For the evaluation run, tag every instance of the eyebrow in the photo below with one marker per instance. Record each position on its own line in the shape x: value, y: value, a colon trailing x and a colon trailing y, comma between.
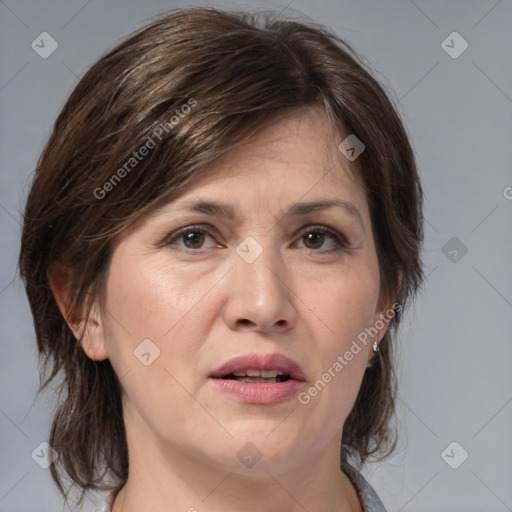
x: 227, y: 211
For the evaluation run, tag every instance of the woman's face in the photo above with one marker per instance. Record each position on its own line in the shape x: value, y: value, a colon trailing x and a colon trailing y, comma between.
x: 243, y: 267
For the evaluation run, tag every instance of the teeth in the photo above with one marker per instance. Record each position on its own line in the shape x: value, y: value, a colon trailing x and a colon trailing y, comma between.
x: 270, y: 373
x: 267, y: 374
x: 257, y: 380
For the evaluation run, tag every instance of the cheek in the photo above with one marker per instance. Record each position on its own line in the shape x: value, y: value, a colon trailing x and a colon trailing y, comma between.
x: 152, y: 300
x: 345, y: 301
x: 149, y: 298
x: 146, y: 298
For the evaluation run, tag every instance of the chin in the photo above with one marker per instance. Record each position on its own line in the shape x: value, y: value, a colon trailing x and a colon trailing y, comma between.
x: 254, y: 450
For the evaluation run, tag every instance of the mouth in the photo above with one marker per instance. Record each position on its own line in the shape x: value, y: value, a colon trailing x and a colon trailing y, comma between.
x: 259, y: 378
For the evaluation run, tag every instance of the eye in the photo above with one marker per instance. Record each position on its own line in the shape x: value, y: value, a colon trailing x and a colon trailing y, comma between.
x: 315, y: 236
x: 193, y: 238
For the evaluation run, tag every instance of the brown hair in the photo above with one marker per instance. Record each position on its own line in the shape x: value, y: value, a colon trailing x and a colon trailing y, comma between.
x: 235, y: 72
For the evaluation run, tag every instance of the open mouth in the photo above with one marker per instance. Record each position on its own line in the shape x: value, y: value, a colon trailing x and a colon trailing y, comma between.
x: 259, y: 379
x: 260, y: 387
x: 258, y: 376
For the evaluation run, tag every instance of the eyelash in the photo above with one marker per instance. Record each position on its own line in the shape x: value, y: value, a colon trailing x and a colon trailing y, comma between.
x: 341, y: 242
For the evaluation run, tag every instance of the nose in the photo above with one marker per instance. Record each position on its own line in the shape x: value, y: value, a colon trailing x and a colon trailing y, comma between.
x: 260, y: 295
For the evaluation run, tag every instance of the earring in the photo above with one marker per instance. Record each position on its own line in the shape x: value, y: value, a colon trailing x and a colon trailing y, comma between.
x: 375, y: 349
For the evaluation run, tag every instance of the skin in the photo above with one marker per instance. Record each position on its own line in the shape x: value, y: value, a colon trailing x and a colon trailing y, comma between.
x: 201, y: 309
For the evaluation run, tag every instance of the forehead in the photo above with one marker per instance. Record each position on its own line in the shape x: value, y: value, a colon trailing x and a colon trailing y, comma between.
x: 292, y: 150
x: 292, y: 159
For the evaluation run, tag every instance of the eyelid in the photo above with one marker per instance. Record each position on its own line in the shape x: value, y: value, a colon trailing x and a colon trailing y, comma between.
x: 325, y: 230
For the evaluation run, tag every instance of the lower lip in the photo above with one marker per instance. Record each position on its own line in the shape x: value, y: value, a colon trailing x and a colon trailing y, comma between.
x: 264, y: 393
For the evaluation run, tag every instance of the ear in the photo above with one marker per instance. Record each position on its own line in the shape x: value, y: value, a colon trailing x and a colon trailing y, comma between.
x: 384, y: 313
x: 86, y: 325
x: 382, y: 319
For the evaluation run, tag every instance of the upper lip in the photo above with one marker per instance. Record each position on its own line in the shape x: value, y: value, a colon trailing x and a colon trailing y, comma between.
x: 260, y: 362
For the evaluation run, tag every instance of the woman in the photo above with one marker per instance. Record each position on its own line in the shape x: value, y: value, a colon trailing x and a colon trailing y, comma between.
x: 219, y: 241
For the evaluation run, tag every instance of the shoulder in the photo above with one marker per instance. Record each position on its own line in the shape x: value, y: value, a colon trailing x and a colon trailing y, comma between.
x: 370, y: 500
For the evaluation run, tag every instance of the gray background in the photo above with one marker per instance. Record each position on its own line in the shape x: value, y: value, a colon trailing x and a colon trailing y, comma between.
x: 456, y: 352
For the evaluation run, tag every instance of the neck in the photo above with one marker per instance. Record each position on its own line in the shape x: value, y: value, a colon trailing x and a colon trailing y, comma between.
x: 168, y: 479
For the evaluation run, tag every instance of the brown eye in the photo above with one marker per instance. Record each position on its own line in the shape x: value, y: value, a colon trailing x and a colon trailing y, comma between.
x: 315, y: 240
x: 190, y: 239
x: 193, y: 239
x: 315, y: 237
